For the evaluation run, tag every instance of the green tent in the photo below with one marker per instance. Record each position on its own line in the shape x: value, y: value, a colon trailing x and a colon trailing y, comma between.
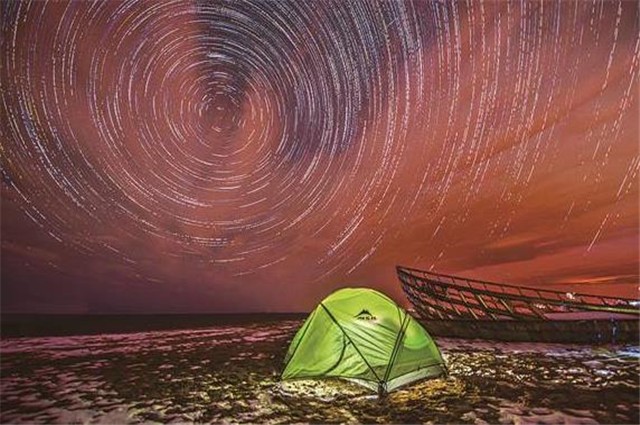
x: 362, y: 335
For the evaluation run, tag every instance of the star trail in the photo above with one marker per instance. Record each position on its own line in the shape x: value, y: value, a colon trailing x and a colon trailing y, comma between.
x: 253, y: 156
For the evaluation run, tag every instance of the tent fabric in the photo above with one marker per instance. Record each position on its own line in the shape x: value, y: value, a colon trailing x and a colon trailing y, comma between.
x: 362, y: 335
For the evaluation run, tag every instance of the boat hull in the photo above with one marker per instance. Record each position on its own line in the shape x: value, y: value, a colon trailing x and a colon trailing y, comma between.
x: 557, y: 331
x: 459, y: 307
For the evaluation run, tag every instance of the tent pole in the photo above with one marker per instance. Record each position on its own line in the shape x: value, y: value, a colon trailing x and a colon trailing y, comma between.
x: 352, y: 343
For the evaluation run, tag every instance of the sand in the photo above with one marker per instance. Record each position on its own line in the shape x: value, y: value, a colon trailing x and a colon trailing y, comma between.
x: 229, y: 374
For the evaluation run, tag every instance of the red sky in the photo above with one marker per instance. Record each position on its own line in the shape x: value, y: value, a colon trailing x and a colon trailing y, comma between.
x: 179, y: 157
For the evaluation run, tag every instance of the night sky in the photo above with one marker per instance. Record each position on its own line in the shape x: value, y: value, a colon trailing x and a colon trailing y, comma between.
x: 176, y: 156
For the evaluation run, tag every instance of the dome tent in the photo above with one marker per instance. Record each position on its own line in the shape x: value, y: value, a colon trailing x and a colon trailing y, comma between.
x: 362, y: 335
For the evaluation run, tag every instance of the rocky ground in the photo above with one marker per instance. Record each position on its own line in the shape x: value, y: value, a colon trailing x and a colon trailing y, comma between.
x: 230, y: 374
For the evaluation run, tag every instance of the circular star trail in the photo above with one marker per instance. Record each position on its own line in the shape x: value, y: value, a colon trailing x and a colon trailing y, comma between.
x: 249, y: 149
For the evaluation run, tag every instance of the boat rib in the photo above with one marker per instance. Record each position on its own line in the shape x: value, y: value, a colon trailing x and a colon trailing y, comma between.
x: 446, y: 303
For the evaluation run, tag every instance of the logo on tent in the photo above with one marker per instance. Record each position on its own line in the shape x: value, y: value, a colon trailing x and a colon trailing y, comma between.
x: 365, y: 315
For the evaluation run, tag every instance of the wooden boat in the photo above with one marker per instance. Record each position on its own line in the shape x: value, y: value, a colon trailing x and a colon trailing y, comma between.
x: 458, y: 307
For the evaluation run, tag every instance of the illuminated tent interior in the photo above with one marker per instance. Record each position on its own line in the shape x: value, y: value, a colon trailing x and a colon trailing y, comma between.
x: 363, y: 336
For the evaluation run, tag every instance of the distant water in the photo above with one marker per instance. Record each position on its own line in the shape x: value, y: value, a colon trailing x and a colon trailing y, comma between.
x: 14, y: 325
x: 228, y: 371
